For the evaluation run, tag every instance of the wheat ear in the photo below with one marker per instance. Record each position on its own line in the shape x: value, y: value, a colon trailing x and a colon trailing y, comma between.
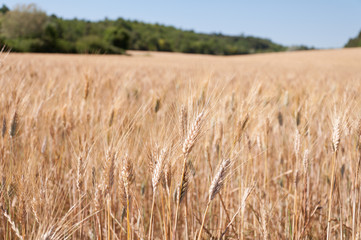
x: 192, y: 135
x: 127, y: 176
x: 186, y: 149
x: 13, y: 226
x: 335, y: 145
x: 157, y: 175
x: 216, y: 186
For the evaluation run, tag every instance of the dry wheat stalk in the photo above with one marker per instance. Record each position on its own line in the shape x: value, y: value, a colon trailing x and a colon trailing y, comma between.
x: 109, y: 168
x: 111, y: 118
x: 186, y: 149
x: 297, y: 143
x: 241, y: 210
x: 13, y: 226
x: 335, y: 144
x: 86, y: 88
x: 157, y: 176
x: 127, y: 174
x: 22, y: 205
x: 183, y: 122
x: 80, y: 175
x: 43, y: 146
x: 240, y: 128
x: 216, y: 186
x: 158, y: 170
x: 192, y: 135
x: 306, y: 182
x: 34, y: 210
x: 13, y: 125
x: 264, y: 221
x: 127, y: 178
x: 107, y: 184
x: 336, y: 133
x: 306, y: 161
x: 219, y: 178
x: 183, y: 189
x: 167, y: 176
x: 3, y: 129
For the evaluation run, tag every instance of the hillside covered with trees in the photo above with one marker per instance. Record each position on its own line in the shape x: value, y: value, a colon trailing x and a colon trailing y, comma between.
x: 354, y: 42
x: 26, y: 28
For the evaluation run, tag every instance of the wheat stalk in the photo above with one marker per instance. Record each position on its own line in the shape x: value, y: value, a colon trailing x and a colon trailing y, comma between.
x: 80, y: 175
x: 186, y: 149
x: 241, y: 210
x: 13, y: 226
x: 192, y: 135
x: 264, y: 221
x: 127, y: 176
x: 215, y: 188
x: 183, y: 122
x: 108, y: 181
x: 3, y: 129
x: 219, y: 178
x: 335, y: 144
x: 13, y: 125
x: 157, y: 175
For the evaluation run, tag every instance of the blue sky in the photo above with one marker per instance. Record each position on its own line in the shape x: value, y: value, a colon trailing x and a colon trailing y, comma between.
x: 319, y: 23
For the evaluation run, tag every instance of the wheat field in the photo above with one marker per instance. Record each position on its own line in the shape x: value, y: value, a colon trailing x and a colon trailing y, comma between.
x: 176, y: 146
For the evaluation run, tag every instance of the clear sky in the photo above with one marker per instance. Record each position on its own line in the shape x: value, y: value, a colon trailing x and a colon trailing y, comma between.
x: 318, y: 23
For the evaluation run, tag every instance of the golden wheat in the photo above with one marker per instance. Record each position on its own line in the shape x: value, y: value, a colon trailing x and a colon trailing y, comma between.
x: 78, y: 132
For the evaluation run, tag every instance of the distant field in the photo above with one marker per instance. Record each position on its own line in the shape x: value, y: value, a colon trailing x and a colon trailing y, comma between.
x: 99, y: 147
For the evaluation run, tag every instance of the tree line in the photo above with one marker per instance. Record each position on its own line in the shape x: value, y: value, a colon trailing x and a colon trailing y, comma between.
x: 26, y: 28
x: 354, y: 42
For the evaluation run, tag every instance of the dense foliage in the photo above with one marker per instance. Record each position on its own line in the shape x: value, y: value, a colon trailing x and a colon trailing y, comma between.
x: 28, y: 29
x: 354, y: 42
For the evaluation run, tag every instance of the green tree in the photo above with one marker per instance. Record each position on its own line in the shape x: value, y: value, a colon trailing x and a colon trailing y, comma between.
x: 50, y: 38
x: 25, y: 21
x: 354, y: 42
x: 26, y: 28
x: 117, y: 37
x: 4, y: 9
